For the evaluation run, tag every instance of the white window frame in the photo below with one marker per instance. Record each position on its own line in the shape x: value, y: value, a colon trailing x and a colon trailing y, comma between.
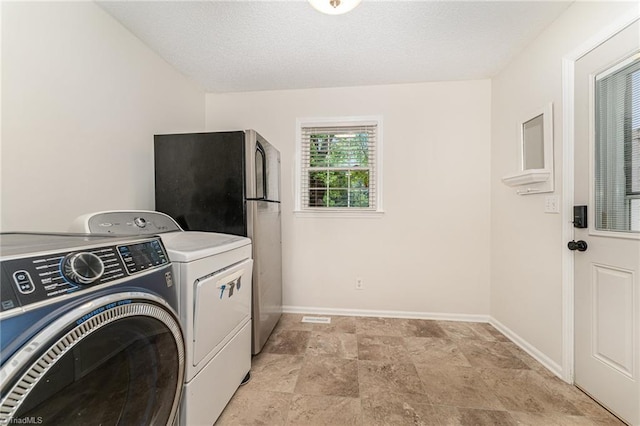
x: 339, y: 211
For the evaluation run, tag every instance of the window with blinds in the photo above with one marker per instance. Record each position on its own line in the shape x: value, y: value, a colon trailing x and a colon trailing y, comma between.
x: 617, y: 148
x: 338, y: 167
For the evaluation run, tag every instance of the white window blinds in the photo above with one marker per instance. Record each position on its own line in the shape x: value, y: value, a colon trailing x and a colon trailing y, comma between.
x: 338, y: 167
x: 617, y: 149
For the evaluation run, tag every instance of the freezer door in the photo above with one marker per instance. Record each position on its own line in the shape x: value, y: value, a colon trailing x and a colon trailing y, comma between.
x: 263, y: 168
x: 199, y: 180
x: 264, y: 231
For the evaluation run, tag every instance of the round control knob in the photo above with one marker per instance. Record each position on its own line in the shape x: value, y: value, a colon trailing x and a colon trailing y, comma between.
x: 82, y: 268
x: 140, y: 222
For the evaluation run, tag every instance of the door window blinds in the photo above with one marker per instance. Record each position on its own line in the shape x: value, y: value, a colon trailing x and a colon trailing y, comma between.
x: 617, y: 149
x: 338, y: 167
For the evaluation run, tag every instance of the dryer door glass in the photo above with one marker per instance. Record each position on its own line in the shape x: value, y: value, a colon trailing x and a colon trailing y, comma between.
x: 128, y: 371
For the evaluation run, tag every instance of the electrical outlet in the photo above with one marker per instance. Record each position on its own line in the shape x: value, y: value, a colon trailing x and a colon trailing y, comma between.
x: 359, y: 284
x: 551, y: 204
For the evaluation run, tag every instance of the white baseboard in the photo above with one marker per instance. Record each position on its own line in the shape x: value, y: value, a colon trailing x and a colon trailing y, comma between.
x: 551, y: 365
x: 384, y: 314
x: 547, y: 362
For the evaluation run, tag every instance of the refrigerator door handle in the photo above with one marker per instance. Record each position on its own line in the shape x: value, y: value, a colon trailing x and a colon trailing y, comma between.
x: 261, y: 172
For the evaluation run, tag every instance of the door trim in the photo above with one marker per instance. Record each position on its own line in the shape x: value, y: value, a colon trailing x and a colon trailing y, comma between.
x: 568, y: 147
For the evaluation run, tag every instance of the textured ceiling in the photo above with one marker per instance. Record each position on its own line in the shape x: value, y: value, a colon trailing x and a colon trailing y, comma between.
x: 227, y: 46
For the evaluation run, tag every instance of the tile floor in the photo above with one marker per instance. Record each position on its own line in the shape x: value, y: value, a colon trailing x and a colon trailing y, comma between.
x: 383, y: 371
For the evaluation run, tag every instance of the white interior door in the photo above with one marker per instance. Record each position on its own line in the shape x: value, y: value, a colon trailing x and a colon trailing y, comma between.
x: 607, y: 181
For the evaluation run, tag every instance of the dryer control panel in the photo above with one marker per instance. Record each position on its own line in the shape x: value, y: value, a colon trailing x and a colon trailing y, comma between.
x: 42, y: 277
x: 126, y: 222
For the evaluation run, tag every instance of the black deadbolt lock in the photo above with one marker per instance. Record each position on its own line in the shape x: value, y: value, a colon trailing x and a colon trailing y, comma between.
x: 580, y: 216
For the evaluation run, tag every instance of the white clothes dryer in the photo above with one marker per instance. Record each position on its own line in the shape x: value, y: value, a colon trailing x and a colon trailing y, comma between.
x: 214, y: 273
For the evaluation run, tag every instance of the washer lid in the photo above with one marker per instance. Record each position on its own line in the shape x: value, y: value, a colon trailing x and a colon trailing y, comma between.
x: 188, y: 246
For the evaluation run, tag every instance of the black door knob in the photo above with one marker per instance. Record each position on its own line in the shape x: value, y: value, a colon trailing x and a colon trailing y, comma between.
x: 578, y: 245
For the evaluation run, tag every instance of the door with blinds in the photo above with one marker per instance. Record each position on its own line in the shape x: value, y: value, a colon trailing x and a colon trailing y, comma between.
x: 607, y: 266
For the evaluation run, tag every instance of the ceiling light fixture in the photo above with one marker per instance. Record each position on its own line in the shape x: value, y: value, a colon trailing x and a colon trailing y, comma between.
x: 334, y: 7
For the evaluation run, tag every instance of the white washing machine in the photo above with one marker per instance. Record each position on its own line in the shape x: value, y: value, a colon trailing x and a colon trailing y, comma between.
x: 214, y: 280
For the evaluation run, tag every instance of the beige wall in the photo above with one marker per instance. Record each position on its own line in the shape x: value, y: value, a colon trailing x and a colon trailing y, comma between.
x: 81, y: 100
x: 526, y: 243
x: 429, y: 252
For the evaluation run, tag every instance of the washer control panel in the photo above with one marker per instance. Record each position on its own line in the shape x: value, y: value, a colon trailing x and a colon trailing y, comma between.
x: 42, y: 277
x: 140, y: 257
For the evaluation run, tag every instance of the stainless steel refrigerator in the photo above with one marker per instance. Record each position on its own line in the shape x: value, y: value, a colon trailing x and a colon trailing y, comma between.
x: 228, y: 182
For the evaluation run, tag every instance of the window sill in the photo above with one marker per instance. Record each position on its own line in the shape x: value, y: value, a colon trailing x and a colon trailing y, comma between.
x: 333, y: 214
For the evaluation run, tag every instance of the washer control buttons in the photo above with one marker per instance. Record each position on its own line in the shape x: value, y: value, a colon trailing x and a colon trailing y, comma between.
x: 82, y: 268
x: 140, y: 222
x: 23, y: 282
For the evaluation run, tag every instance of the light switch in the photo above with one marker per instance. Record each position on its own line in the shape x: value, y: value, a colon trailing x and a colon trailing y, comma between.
x: 551, y: 204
